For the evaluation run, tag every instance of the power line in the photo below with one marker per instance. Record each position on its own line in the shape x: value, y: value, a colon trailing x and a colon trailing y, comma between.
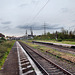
x: 39, y: 13
x: 41, y: 9
x: 44, y: 26
x: 44, y: 29
x: 35, y: 7
x: 31, y: 30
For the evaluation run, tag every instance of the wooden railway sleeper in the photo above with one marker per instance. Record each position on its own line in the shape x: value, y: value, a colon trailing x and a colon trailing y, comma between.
x: 31, y: 72
x: 57, y: 73
x: 24, y: 61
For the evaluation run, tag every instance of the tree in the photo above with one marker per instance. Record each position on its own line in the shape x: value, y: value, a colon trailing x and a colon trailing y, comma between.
x: 2, y: 38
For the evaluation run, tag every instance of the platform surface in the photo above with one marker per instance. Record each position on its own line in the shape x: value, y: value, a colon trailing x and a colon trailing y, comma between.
x: 10, y: 66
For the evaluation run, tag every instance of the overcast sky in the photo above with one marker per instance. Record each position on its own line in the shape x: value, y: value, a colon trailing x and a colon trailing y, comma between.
x: 18, y: 15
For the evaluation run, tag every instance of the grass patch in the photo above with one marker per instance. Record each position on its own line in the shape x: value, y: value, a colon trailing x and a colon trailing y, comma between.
x: 5, y: 48
x: 53, y: 41
x: 59, y: 54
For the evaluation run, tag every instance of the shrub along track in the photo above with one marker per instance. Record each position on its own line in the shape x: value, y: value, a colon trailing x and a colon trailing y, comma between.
x: 5, y: 48
x: 47, y: 64
x: 10, y: 66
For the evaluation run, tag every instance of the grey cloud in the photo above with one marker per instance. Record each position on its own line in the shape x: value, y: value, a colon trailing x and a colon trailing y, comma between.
x: 35, y: 1
x: 65, y: 10
x: 73, y: 20
x: 7, y: 22
x: 39, y: 27
x: 6, y: 27
x: 72, y: 26
x: 22, y: 5
x: 0, y: 19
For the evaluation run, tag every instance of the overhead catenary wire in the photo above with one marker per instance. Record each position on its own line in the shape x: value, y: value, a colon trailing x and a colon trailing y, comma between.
x: 33, y: 11
x: 40, y: 10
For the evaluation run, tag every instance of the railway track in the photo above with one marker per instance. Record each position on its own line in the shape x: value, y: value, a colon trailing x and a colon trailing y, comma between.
x: 57, y: 47
x: 25, y: 67
x: 56, y: 44
x: 26, y: 64
x: 46, y: 66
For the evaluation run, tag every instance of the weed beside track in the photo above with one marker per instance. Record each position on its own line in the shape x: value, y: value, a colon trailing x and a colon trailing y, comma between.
x: 5, y: 48
x: 59, y: 54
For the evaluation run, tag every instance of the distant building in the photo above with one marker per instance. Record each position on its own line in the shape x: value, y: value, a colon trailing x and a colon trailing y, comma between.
x: 11, y: 38
x: 1, y: 35
x: 31, y: 36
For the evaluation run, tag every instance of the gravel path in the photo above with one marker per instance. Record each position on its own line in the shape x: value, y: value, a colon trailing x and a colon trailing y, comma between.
x: 11, y: 64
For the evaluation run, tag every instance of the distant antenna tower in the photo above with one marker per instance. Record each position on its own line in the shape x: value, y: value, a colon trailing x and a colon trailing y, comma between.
x: 31, y: 31
x: 26, y: 32
x: 44, y: 28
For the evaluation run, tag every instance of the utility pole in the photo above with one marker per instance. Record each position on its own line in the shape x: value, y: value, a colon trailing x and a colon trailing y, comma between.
x: 44, y: 28
x: 26, y: 34
x: 56, y: 35
x: 31, y: 31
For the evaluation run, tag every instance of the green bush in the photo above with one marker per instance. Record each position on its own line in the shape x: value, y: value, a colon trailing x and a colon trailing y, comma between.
x: 5, y: 48
x: 3, y: 39
x: 69, y: 39
x: 59, y: 40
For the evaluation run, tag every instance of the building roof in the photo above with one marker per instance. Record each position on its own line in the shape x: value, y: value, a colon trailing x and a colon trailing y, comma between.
x: 1, y: 35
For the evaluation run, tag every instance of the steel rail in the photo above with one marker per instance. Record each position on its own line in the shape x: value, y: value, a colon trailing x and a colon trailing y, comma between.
x: 64, y: 71
x: 56, y: 44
